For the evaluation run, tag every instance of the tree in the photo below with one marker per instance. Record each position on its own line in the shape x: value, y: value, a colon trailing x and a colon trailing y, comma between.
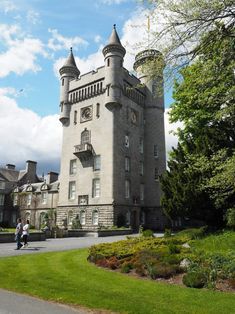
x: 181, y: 25
x: 205, y: 103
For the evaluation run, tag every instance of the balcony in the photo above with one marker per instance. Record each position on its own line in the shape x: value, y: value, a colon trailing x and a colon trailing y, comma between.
x: 83, y: 151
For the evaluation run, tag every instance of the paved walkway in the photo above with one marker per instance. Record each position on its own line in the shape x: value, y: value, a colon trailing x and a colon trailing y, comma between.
x: 8, y: 249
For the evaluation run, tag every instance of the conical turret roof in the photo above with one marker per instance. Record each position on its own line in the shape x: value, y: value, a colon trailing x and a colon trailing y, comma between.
x: 114, y: 43
x: 70, y: 65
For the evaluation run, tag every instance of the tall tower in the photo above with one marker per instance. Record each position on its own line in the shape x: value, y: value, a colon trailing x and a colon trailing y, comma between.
x: 68, y: 72
x: 113, y: 144
x: 154, y: 134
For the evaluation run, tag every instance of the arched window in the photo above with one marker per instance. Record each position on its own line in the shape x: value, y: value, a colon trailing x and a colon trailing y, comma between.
x: 83, y: 217
x: 70, y: 217
x: 95, y: 217
x: 85, y: 137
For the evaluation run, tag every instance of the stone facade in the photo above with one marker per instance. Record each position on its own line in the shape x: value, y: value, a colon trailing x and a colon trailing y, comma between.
x: 113, y: 148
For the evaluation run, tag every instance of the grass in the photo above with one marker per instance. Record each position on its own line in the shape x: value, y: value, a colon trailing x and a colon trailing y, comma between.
x: 67, y: 277
x: 13, y: 230
x: 220, y: 243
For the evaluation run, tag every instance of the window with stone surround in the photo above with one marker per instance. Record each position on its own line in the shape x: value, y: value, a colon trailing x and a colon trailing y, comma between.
x: 141, y: 191
x: 73, y: 167
x: 97, y: 163
x: 127, y: 142
x: 72, y: 190
x: 75, y: 117
x: 82, y: 217
x: 141, y: 145
x: 15, y: 199
x: 141, y: 168
x: 156, y: 174
x: 128, y: 218
x: 127, y: 189
x: 127, y: 164
x: 70, y: 217
x: 44, y: 197
x: 2, y: 197
x: 83, y: 199
x: 96, y: 188
x: 155, y: 151
x: 95, y: 217
x: 29, y: 199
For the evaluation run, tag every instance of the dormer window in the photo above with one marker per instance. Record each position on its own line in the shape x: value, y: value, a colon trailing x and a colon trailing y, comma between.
x: 44, y: 187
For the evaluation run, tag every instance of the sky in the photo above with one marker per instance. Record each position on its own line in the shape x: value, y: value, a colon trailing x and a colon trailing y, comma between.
x: 35, y: 37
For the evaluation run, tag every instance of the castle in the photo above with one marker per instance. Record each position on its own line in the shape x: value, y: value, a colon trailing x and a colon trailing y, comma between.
x: 113, y: 148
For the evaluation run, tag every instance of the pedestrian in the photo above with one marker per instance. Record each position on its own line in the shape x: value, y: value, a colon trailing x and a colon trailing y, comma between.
x: 26, y: 233
x: 18, y: 233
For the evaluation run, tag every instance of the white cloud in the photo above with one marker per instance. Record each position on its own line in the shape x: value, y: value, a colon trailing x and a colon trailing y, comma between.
x: 7, y: 6
x: 25, y: 135
x: 59, y: 42
x: 97, y: 38
x: 22, y: 51
x: 33, y: 17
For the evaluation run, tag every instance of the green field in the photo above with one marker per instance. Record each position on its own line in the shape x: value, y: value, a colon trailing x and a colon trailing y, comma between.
x: 67, y: 277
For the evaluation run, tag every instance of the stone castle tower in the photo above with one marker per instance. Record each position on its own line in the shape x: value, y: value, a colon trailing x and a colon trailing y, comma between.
x: 113, y: 147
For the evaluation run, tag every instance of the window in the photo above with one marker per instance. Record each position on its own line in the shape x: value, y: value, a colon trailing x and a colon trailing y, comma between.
x: 155, y: 151
x: 83, y: 199
x: 141, y: 168
x: 97, y: 163
x: 62, y: 82
x: 73, y: 166
x: 85, y: 137
x: 96, y: 187
x: 108, y: 62
x: 1, y: 216
x: 141, y: 192
x: 2, y: 185
x: 156, y: 174
x: 61, y: 106
x: 141, y: 146
x: 72, y: 190
x: 127, y: 189
x: 83, y: 217
x: 128, y: 218
x: 97, y: 110
x: 29, y: 199
x: 15, y: 200
x: 127, y: 164
x: 42, y: 219
x: 95, y: 217
x: 127, y: 144
x: 142, y: 218
x: 2, y: 197
x: 70, y: 217
x: 75, y: 117
x: 44, y: 197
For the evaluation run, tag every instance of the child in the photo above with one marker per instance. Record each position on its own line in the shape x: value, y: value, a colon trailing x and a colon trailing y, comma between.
x: 26, y: 234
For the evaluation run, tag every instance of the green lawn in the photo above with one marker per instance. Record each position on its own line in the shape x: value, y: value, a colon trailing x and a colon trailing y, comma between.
x: 67, y: 277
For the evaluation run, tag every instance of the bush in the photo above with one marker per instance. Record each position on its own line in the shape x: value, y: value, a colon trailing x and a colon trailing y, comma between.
x: 173, y: 248
x: 126, y: 267
x: 167, y: 233
x: 193, y: 233
x: 230, y: 218
x: 148, y: 233
x: 194, y: 279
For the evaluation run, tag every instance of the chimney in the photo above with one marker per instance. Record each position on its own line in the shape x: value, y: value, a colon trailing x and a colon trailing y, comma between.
x: 31, y: 167
x: 10, y: 167
x: 52, y: 177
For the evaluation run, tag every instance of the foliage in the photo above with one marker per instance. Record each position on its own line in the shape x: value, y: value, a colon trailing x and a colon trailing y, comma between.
x: 199, y: 183
x: 167, y: 233
x: 76, y: 224
x: 230, y: 217
x: 193, y: 233
x: 194, y: 279
x: 148, y: 233
x: 181, y: 24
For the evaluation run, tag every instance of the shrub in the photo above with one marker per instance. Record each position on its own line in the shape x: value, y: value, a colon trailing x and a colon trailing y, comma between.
x: 194, y: 279
x: 230, y: 218
x: 126, y: 267
x: 193, y: 233
x: 148, y: 233
x: 112, y: 262
x: 167, y: 233
x: 173, y: 248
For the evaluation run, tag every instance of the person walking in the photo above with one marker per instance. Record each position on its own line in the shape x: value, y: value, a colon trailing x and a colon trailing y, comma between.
x: 18, y: 234
x: 26, y: 234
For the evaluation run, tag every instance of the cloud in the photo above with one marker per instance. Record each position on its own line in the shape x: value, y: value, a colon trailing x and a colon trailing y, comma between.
x: 7, y: 6
x: 59, y: 42
x: 33, y: 17
x: 97, y: 38
x: 22, y: 51
x: 110, y: 2
x: 25, y: 135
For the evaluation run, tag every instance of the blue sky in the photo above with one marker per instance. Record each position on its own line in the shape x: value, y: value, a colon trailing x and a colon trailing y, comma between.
x: 35, y: 37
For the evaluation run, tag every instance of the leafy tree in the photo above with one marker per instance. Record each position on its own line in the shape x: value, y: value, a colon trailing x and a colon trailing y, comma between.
x: 205, y: 103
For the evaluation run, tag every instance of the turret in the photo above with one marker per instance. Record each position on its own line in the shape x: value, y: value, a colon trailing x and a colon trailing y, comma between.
x: 113, y: 53
x: 149, y: 66
x: 68, y: 72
